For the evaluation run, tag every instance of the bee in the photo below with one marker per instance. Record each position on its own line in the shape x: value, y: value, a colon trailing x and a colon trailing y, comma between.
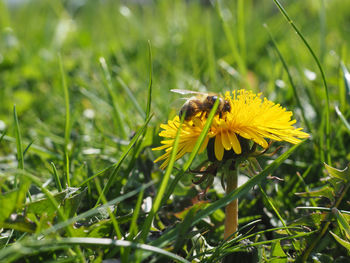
x: 201, y: 102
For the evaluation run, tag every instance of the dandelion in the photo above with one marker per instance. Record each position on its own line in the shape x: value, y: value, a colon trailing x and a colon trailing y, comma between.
x: 250, y: 120
x: 250, y: 117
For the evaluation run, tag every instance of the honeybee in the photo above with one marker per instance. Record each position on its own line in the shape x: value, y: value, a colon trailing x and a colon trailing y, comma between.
x: 201, y: 102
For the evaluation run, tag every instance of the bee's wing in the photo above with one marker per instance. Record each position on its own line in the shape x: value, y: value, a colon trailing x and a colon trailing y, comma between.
x: 185, y: 92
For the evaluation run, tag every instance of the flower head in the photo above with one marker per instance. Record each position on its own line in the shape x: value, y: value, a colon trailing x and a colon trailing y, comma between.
x: 249, y: 117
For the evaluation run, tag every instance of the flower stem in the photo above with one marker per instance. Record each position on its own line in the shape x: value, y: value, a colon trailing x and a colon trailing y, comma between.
x: 231, y: 210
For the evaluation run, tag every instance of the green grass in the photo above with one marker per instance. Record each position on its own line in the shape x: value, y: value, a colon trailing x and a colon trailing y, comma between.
x: 84, y: 86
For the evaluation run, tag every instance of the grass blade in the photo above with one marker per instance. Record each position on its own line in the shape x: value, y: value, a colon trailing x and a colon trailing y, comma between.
x: 343, y: 224
x: 2, y: 136
x: 27, y: 148
x: 296, y: 95
x: 194, y: 152
x: 111, y: 215
x: 133, y: 226
x: 346, y: 77
x: 163, y: 194
x: 328, y: 124
x: 341, y: 241
x: 119, y: 123
x: 274, y: 208
x: 132, y: 97
x: 341, y: 116
x: 241, y: 28
x: 149, y: 97
x: 35, y: 148
x: 30, y: 247
x: 18, y: 142
x: 122, y: 158
x: 157, y: 201
x: 56, y: 177
x: 94, y: 211
x: 67, y: 124
x: 231, y: 40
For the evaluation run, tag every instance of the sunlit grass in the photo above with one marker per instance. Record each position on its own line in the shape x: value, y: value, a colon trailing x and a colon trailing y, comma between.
x: 84, y: 86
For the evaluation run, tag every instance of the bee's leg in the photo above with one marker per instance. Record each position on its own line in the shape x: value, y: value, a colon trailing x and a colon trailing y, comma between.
x: 201, y: 179
x: 203, y: 114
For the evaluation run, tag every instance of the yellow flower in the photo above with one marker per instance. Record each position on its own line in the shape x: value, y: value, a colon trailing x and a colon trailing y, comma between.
x: 250, y: 117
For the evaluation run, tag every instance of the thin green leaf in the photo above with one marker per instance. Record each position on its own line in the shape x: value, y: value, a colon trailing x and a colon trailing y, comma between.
x: 56, y: 177
x: 321, y: 209
x: 342, y: 118
x: 194, y: 152
x: 278, y: 254
x: 343, y: 175
x: 119, y: 122
x: 2, y: 136
x: 272, y: 241
x: 201, y: 137
x: 231, y: 39
x: 346, y: 78
x: 286, y: 68
x: 67, y: 124
x: 119, y: 163
x: 343, y: 224
x: 22, y: 226
x: 133, y: 226
x: 324, y: 191
x: 341, y: 241
x: 18, y: 142
x: 95, y: 211
x: 157, y: 201
x: 160, y: 197
x: 27, y: 148
x: 111, y: 216
x: 149, y: 97
x: 185, y: 227
x: 328, y: 124
x: 35, y: 148
x: 131, y: 97
x: 29, y: 247
x: 274, y: 208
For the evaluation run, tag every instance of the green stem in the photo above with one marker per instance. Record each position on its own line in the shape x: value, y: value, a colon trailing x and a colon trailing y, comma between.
x: 231, y: 210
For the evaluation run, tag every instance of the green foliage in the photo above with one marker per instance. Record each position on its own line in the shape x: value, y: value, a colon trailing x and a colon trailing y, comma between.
x: 84, y: 86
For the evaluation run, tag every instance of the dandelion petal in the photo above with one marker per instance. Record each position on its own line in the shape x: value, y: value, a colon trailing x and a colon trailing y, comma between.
x: 218, y: 148
x: 226, y: 141
x: 235, y: 142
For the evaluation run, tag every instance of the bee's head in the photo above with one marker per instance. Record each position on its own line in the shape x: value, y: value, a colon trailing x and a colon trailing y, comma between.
x: 211, y: 99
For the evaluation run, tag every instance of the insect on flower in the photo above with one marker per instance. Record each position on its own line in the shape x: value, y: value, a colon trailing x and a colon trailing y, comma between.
x: 242, y: 116
x: 201, y: 102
